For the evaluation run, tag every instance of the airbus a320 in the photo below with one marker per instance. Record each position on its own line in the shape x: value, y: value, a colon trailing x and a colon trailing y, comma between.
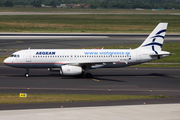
x: 79, y: 61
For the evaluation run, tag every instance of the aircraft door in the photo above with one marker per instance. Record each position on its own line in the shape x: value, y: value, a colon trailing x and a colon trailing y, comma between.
x: 138, y: 56
x: 28, y: 56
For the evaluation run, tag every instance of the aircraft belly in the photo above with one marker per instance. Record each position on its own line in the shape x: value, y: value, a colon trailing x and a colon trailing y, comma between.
x: 115, y: 65
x: 120, y: 64
x: 32, y: 65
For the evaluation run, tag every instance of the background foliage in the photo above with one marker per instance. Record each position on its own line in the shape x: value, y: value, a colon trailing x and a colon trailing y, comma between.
x: 94, y: 4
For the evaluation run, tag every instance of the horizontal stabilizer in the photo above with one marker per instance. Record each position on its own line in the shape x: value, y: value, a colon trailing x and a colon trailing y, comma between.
x: 160, y: 53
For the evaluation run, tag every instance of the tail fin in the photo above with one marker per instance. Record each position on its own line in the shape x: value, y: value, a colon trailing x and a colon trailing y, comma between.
x: 155, y: 40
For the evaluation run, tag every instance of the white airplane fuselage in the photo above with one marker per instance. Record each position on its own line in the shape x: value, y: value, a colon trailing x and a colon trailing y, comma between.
x: 52, y: 58
x: 77, y: 61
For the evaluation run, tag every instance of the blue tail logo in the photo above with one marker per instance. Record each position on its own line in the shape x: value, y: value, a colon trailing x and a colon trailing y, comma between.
x: 154, y: 40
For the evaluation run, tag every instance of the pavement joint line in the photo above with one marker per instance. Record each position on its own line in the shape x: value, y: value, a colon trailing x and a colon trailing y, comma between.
x: 147, y: 76
x: 140, y: 90
x: 176, y: 76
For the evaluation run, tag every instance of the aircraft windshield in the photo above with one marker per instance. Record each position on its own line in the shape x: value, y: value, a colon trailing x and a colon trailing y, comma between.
x: 14, y: 55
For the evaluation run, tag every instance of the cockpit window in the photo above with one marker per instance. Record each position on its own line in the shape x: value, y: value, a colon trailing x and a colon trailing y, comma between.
x: 14, y: 55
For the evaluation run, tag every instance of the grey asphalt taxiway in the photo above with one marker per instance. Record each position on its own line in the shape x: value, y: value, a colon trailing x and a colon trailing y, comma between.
x: 126, y: 81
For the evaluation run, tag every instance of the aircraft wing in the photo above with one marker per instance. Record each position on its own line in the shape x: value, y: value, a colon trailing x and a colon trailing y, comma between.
x: 87, y: 62
x: 91, y: 63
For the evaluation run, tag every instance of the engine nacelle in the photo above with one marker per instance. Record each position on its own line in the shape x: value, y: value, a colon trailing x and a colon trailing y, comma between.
x: 70, y: 70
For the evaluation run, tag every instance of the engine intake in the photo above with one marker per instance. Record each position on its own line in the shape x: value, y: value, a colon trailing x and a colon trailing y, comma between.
x: 70, y: 70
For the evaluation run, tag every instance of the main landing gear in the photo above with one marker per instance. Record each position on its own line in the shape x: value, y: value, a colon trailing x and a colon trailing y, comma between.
x: 85, y: 75
x: 88, y: 75
x: 27, y: 72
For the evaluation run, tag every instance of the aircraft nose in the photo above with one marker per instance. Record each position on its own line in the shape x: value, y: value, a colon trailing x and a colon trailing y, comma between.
x: 6, y: 61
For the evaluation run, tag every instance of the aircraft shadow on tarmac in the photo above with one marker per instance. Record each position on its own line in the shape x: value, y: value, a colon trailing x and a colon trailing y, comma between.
x: 95, y: 77
x: 98, y: 77
x: 120, y: 75
x: 139, y: 75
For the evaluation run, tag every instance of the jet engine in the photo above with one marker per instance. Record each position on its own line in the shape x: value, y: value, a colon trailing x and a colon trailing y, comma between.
x: 70, y: 70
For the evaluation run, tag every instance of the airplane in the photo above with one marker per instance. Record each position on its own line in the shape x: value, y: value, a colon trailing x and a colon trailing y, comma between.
x: 79, y: 61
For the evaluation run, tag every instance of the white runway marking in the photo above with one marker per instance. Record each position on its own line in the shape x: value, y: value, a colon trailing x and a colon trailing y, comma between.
x: 49, y: 37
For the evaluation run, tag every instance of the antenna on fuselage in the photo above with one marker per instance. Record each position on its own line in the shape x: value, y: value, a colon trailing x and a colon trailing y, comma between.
x: 29, y: 48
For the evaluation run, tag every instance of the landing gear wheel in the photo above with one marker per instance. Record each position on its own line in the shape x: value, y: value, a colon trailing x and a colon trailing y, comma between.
x: 88, y: 75
x: 26, y: 75
x: 27, y: 72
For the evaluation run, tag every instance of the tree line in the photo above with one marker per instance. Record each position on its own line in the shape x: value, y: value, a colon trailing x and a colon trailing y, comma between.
x: 95, y: 4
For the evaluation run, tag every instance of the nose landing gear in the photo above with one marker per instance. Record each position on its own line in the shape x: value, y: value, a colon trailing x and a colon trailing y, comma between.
x: 27, y: 72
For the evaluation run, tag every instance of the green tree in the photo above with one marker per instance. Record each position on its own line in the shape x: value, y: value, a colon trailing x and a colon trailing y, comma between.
x: 8, y: 4
x: 36, y: 3
x: 53, y: 3
x: 104, y: 5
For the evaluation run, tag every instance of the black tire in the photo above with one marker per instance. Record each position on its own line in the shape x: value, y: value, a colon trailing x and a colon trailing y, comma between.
x: 26, y: 75
x: 89, y: 75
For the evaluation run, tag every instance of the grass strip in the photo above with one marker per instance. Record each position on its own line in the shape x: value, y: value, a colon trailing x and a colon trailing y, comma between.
x: 91, y: 23
x: 3, y: 57
x: 50, y: 98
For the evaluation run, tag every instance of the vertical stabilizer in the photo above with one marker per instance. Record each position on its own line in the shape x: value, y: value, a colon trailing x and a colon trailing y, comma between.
x: 155, y: 40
